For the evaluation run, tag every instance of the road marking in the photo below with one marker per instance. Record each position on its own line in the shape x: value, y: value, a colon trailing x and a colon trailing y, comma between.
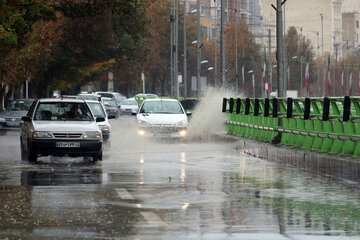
x: 152, y: 218
x: 124, y: 194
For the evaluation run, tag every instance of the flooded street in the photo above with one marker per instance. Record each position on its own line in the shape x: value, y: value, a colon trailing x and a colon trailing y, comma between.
x: 146, y: 189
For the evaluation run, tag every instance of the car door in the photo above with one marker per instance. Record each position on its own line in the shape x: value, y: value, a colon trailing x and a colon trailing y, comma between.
x: 27, y: 126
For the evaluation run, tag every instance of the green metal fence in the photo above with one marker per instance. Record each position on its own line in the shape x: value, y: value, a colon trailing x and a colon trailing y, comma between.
x: 329, y: 125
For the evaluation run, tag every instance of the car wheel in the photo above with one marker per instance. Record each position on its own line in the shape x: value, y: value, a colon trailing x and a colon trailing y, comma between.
x: 31, y: 156
x: 97, y: 157
x: 23, y: 152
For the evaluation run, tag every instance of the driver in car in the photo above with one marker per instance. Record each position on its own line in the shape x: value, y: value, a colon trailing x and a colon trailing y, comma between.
x: 74, y: 112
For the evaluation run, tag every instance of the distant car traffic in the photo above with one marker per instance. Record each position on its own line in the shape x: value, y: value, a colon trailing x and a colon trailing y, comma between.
x: 129, y: 106
x: 89, y: 96
x: 11, y: 117
x: 60, y: 127
x: 98, y: 110
x: 117, y: 96
x: 140, y: 97
x: 164, y: 118
x: 111, y: 107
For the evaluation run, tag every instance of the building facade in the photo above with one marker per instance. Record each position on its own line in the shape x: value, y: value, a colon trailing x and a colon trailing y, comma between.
x: 320, y: 21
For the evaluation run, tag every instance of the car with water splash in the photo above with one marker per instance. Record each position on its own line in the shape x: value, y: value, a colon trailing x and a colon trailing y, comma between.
x: 162, y: 118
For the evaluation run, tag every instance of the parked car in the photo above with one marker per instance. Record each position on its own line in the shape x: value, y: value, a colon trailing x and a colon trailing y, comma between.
x: 11, y: 117
x: 60, y: 127
x: 111, y: 107
x: 164, y: 118
x: 129, y: 106
x: 98, y: 110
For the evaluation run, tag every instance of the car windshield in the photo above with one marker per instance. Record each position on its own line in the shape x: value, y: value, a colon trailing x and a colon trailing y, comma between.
x: 20, y: 105
x: 97, y: 109
x: 130, y: 102
x: 62, y: 111
x: 161, y: 107
x: 109, y: 103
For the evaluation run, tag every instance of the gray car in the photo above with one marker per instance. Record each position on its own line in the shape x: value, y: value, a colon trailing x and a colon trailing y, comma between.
x: 11, y: 117
x: 60, y: 127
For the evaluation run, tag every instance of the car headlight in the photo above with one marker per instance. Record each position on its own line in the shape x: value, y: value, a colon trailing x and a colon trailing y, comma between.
x: 92, y: 135
x: 38, y: 134
x: 143, y: 123
x: 2, y: 119
x: 181, y: 123
x: 105, y: 128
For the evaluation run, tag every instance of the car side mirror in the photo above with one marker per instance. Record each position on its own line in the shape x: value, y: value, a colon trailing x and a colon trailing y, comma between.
x: 100, y: 119
x: 188, y: 113
x: 26, y: 118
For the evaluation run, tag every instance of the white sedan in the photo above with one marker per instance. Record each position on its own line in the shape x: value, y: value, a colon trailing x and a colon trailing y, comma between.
x: 164, y: 118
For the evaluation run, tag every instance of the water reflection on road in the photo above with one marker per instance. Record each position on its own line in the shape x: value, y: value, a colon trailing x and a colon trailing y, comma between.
x: 183, y: 190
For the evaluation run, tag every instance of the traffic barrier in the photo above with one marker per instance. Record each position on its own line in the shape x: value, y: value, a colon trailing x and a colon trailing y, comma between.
x: 329, y: 125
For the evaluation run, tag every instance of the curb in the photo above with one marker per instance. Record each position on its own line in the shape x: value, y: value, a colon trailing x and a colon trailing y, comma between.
x: 333, y: 166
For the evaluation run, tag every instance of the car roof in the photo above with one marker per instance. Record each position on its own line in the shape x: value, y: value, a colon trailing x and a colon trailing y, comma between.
x: 73, y: 100
x: 92, y: 101
x: 160, y: 100
x: 107, y: 99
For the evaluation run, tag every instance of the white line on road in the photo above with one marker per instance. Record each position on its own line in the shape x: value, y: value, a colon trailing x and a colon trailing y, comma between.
x: 152, y: 218
x: 124, y: 194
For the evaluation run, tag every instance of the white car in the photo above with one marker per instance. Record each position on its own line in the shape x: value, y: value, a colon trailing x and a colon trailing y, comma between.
x: 98, y: 110
x: 60, y: 127
x: 164, y: 118
x: 129, y: 106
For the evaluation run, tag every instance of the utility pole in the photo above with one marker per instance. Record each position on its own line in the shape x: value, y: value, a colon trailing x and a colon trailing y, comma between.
x: 301, y: 64
x: 216, y: 39
x: 280, y: 49
x: 176, y: 48
x: 336, y: 58
x: 322, y: 52
x: 171, y: 47
x: 223, y: 77
x: 198, y: 48
x: 270, y: 66
x: 185, y: 60
x: 236, y: 55
x: 318, y: 57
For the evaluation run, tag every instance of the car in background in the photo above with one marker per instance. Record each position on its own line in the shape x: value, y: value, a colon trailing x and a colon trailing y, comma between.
x: 140, y: 97
x: 129, y: 107
x: 111, y: 107
x: 119, y: 98
x: 89, y: 96
x: 60, y: 127
x: 11, y: 117
x: 163, y: 118
x: 98, y: 110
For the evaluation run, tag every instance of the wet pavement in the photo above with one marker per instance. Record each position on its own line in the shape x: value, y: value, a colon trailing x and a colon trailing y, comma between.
x: 147, y: 189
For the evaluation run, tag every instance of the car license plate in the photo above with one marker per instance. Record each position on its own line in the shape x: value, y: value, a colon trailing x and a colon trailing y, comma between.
x: 68, y: 144
x: 13, y: 124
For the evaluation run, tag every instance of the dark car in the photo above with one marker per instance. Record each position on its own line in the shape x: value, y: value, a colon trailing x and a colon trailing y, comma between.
x: 111, y: 107
x: 11, y: 117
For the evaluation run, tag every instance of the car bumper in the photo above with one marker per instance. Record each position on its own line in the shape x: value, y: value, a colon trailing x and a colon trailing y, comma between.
x: 10, y: 125
x: 45, y: 147
x: 163, y: 132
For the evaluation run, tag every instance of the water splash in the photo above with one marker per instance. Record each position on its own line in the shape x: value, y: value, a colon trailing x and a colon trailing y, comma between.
x: 208, y: 117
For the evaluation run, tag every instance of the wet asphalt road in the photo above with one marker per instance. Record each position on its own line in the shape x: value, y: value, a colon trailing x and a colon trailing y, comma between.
x: 147, y: 189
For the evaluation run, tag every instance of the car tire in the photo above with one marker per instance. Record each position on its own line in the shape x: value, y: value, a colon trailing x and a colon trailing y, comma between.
x: 31, y: 156
x: 23, y: 152
x: 97, y: 157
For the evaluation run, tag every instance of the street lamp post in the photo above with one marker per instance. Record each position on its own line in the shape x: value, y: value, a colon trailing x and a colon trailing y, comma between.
x: 322, y: 51
x: 185, y: 60
x: 236, y: 55
x: 222, y: 42
x: 198, y: 48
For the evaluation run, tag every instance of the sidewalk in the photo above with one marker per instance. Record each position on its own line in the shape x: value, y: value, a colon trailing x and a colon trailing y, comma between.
x: 325, y: 164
